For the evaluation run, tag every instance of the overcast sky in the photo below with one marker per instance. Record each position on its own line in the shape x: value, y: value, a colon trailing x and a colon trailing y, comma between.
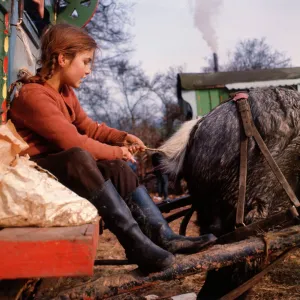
x: 165, y: 34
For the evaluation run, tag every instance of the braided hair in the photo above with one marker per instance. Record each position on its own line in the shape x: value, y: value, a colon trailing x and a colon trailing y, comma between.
x: 58, y: 39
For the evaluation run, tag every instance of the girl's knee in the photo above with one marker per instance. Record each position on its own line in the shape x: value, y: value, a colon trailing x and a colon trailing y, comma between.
x: 123, y: 167
x: 78, y: 155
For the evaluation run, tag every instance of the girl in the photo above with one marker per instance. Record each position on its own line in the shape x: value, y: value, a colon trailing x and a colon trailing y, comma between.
x: 86, y: 156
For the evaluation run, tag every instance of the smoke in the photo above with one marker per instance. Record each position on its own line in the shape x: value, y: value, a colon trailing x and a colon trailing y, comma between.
x: 204, y: 12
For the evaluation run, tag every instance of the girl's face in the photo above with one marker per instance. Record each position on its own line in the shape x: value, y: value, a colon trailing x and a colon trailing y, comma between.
x: 75, y: 70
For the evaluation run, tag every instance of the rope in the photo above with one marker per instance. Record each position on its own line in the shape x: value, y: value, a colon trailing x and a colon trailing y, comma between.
x: 146, y: 148
x: 154, y: 150
x: 26, y: 44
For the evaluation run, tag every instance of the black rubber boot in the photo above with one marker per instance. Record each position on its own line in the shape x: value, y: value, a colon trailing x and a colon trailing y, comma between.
x: 153, y: 224
x: 139, y: 249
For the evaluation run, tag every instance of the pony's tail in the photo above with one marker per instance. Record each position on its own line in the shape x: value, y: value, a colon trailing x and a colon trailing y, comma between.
x: 175, y: 147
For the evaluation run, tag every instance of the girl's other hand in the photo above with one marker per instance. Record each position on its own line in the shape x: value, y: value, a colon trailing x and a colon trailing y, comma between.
x: 127, y: 156
x: 134, y: 144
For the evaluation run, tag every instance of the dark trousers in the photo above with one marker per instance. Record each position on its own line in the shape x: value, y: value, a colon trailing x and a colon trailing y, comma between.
x: 162, y: 184
x: 76, y: 169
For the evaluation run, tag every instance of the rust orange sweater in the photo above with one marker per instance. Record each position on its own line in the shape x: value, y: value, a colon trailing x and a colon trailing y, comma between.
x: 50, y: 122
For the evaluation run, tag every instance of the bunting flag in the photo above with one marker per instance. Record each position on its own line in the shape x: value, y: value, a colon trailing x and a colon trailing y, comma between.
x: 4, y: 68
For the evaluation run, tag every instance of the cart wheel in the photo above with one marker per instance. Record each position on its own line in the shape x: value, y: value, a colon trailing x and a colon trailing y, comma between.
x: 185, y: 221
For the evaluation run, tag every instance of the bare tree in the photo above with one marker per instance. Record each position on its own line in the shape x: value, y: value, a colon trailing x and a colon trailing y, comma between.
x: 135, y: 102
x: 163, y: 86
x: 252, y: 54
x: 256, y: 54
x: 118, y: 92
x: 110, y: 28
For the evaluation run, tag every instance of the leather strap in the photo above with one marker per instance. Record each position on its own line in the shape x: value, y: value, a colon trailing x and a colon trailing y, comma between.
x: 273, y: 165
x: 242, y: 182
x: 244, y: 109
x: 250, y: 130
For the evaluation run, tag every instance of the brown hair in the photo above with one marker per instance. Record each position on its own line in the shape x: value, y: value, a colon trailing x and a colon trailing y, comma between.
x: 60, y: 39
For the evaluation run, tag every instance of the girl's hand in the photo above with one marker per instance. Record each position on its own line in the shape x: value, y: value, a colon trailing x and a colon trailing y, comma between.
x: 127, y: 156
x: 134, y: 144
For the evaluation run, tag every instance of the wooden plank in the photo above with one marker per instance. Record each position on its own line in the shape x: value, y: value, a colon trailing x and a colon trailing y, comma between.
x: 48, y: 252
x: 216, y: 257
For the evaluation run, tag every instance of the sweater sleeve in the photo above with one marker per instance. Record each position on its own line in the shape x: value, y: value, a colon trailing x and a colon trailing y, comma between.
x: 42, y: 115
x: 100, y: 132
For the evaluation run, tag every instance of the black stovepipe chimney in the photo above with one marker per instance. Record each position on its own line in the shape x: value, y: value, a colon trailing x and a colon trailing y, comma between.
x: 216, y: 64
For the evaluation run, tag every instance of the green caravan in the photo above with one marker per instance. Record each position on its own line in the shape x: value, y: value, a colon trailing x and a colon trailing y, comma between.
x: 199, y: 93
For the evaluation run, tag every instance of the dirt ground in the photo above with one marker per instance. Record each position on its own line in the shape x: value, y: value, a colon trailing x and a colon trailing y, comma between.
x: 283, y: 282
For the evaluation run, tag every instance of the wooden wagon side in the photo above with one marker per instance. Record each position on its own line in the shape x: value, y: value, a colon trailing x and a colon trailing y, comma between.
x: 48, y: 252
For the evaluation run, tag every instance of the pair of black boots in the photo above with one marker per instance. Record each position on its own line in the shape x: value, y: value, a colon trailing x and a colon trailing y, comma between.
x: 142, y: 230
